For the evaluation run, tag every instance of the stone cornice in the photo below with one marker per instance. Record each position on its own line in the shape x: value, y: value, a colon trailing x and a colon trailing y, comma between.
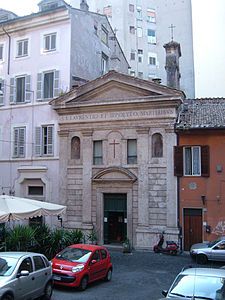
x: 36, y: 20
x: 142, y: 130
x: 87, y: 132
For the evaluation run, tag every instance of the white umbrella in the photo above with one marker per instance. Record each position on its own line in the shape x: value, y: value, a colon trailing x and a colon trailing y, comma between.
x: 16, y: 208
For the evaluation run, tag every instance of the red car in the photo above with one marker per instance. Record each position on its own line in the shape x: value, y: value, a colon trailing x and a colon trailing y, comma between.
x: 80, y: 264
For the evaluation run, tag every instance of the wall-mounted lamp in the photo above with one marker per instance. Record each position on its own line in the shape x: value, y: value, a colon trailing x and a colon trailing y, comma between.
x: 60, y: 219
x: 218, y: 198
x: 203, y: 198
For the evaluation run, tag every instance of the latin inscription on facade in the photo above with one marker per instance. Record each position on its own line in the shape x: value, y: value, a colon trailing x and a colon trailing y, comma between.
x: 141, y: 114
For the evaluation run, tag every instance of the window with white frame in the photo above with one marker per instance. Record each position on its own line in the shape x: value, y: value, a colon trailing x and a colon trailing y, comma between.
x: 139, y: 12
x: 50, y: 42
x: 139, y: 32
x: 132, y: 73
x: 104, y: 35
x: 105, y: 62
x: 132, y: 151
x: 192, y: 161
x: 20, y: 89
x: 44, y: 140
x: 1, y: 52
x: 48, y: 85
x: 152, y: 59
x: 140, y: 55
x: 19, y: 135
x: 132, y: 55
x: 132, y: 29
x: 2, y: 87
x: 151, y: 36
x: 151, y: 15
x: 22, y: 48
x: 97, y: 153
x: 131, y: 7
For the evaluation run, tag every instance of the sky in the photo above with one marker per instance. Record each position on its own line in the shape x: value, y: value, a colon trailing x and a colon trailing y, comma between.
x: 208, y: 39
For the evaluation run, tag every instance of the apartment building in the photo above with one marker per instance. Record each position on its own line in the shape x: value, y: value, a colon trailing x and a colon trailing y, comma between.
x: 143, y: 27
x: 42, y: 56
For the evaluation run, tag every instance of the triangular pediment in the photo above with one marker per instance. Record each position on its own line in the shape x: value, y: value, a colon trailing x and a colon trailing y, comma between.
x: 114, y: 87
x: 113, y: 174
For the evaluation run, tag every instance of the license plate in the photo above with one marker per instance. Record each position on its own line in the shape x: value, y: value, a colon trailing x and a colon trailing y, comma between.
x: 55, y: 277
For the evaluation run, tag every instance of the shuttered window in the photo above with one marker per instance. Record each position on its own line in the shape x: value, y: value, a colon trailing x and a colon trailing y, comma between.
x: 20, y: 89
x: 19, y: 142
x: 2, y: 91
x: 191, y: 161
x: 44, y: 140
x: 48, y: 85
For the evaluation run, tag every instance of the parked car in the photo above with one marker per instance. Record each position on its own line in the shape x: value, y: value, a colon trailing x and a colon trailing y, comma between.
x: 214, y: 250
x: 198, y: 283
x: 80, y: 264
x: 25, y: 275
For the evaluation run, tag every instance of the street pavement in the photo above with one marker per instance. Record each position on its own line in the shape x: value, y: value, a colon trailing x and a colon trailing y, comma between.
x: 136, y: 276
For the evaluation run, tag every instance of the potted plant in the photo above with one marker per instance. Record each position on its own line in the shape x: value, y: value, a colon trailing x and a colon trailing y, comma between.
x: 127, y: 246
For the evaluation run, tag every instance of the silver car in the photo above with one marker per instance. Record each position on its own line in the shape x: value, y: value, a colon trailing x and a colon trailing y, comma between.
x: 25, y: 275
x: 203, y: 252
x: 198, y: 283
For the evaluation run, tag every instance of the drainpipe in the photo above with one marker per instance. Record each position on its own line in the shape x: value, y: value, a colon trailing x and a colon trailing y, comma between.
x: 9, y: 48
x: 178, y: 207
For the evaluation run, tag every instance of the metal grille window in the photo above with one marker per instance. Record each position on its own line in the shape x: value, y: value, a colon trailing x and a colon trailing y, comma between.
x: 50, y: 42
x: 139, y: 13
x: 97, y: 153
x: 132, y: 55
x: 132, y: 151
x: 19, y: 142
x: 22, y: 48
x: 192, y: 161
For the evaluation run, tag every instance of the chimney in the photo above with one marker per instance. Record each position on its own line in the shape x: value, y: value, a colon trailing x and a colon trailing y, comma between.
x: 173, y: 53
x: 84, y: 6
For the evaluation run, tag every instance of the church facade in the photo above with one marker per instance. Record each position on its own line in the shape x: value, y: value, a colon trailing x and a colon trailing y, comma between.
x: 116, y: 140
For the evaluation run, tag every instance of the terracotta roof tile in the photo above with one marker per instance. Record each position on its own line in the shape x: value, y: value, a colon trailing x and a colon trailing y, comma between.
x: 204, y: 113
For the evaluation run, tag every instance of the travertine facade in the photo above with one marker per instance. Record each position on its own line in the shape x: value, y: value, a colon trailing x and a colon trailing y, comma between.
x: 122, y: 191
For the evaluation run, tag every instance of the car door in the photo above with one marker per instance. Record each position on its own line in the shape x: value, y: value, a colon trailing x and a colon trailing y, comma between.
x: 24, y: 285
x: 95, y: 266
x: 218, y: 251
x: 104, y: 262
x: 42, y: 274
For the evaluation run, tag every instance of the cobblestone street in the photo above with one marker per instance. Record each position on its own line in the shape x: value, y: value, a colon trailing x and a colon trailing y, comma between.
x: 140, y: 275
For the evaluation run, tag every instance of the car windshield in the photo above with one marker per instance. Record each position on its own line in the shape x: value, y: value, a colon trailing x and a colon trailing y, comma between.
x: 74, y: 254
x: 211, y: 244
x: 7, y: 265
x: 201, y: 287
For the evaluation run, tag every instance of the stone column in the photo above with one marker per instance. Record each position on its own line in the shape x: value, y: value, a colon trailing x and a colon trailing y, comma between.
x: 143, y: 195
x: 87, y: 175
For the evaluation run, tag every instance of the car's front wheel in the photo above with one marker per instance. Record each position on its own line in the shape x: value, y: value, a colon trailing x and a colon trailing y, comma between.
x: 48, y: 291
x: 7, y: 297
x: 108, y: 276
x: 202, y: 259
x: 83, y: 283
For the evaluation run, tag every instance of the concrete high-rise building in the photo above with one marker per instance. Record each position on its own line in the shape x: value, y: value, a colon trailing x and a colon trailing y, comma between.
x: 143, y: 27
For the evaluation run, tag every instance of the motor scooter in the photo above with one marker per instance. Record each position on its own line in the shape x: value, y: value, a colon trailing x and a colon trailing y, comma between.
x: 171, y: 246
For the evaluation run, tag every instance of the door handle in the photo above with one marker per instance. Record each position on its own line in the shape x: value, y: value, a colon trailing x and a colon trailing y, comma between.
x: 33, y: 278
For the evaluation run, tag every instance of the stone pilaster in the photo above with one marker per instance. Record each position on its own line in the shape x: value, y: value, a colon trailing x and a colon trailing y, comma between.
x: 87, y: 175
x: 171, y: 181
x: 63, y: 153
x: 143, y: 197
